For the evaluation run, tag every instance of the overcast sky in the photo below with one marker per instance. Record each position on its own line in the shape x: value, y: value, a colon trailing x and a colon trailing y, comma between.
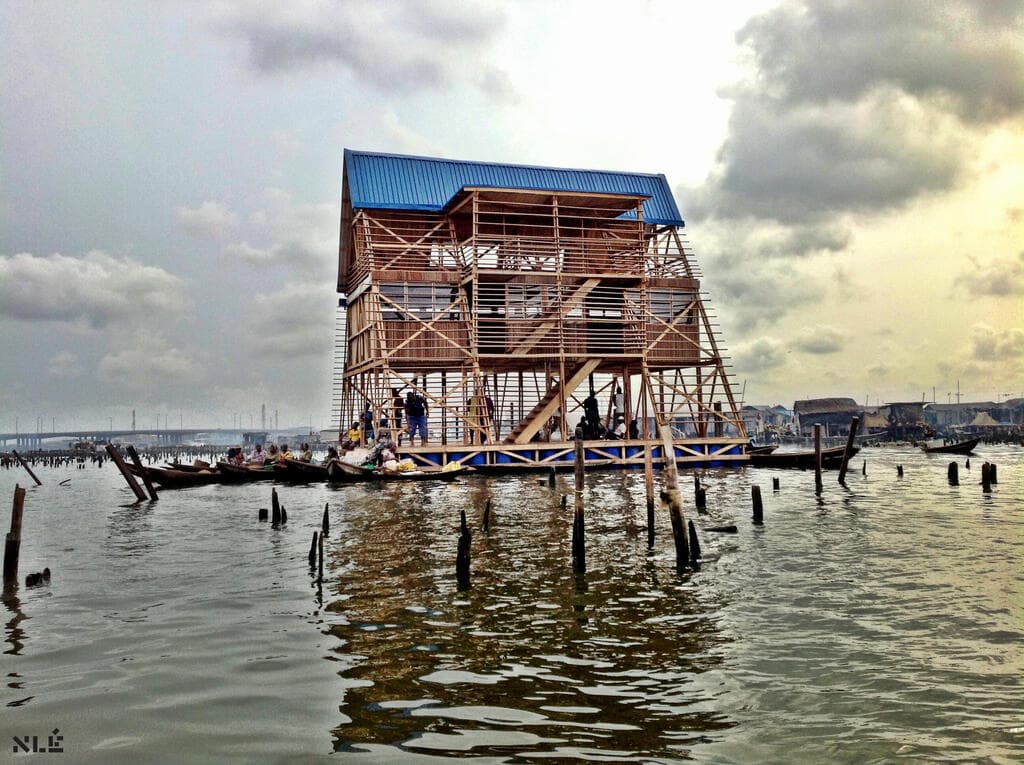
x: 852, y: 176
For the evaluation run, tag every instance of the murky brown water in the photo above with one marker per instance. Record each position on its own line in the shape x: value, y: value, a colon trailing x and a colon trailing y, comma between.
x: 881, y: 623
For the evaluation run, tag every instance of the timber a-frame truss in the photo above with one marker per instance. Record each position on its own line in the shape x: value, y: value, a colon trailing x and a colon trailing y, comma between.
x: 506, y: 309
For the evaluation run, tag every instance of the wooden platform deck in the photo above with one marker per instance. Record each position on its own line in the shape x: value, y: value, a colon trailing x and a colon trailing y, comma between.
x: 543, y: 456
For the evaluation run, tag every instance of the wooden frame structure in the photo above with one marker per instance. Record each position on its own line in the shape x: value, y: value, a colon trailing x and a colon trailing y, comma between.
x: 508, y: 306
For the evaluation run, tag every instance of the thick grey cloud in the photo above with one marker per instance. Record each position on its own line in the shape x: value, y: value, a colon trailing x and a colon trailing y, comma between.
x: 210, y: 220
x: 857, y: 107
x: 1001, y: 277
x: 302, y: 237
x: 758, y: 355
x: 819, y: 340
x: 965, y: 55
x: 151, y: 364
x: 63, y: 365
x: 802, y: 165
x: 991, y: 344
x: 752, y: 290
x: 289, y: 324
x: 95, y: 290
x: 396, y: 46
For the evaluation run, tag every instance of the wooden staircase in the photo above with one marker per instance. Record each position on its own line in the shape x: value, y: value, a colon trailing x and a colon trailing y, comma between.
x: 531, y: 424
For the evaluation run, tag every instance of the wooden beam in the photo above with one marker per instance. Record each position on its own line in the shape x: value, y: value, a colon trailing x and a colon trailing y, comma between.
x: 547, y: 411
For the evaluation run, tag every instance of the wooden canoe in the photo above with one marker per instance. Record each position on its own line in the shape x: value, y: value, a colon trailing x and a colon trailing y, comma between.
x: 831, y: 459
x: 344, y: 472
x: 298, y: 471
x: 232, y: 473
x: 961, y: 447
x: 169, y: 478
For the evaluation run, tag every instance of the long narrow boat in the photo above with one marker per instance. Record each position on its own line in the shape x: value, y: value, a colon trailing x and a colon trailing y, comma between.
x: 170, y: 478
x: 961, y: 447
x: 339, y: 471
x: 299, y: 472
x: 831, y: 459
x: 232, y: 473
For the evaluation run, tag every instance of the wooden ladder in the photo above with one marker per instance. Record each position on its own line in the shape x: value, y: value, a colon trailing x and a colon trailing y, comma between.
x: 531, y: 424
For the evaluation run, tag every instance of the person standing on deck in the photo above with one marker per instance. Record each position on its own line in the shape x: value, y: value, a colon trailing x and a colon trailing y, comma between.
x: 368, y: 423
x: 416, y: 411
x: 397, y: 410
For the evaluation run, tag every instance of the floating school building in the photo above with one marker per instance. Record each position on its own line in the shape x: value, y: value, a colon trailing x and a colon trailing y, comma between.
x: 506, y: 295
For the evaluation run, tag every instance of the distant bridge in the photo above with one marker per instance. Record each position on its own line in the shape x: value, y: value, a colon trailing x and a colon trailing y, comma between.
x: 167, y: 436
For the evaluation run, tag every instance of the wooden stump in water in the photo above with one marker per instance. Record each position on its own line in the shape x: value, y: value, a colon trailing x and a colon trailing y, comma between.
x: 579, y: 545
x: 755, y: 498
x: 899, y: 471
x: 487, y: 517
x: 817, y: 459
x: 262, y: 515
x: 953, y: 474
x: 325, y: 525
x: 462, y: 556
x: 12, y: 545
x: 775, y: 484
x: 694, y: 546
x: 313, y: 550
x: 275, y: 505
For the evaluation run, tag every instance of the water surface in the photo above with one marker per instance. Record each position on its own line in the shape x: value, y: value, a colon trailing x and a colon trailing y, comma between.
x: 877, y: 623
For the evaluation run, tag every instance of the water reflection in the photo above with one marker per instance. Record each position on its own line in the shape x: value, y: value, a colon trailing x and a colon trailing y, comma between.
x: 13, y: 632
x: 533, y: 659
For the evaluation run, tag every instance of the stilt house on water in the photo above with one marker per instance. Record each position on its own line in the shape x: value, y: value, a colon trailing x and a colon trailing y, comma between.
x: 507, y: 295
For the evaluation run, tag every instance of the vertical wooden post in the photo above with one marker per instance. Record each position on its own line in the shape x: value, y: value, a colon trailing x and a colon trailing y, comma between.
x: 12, y: 545
x: 864, y: 468
x: 775, y: 484
x: 986, y: 478
x: 649, y: 487
x: 755, y: 498
x: 694, y: 546
x: 313, y: 550
x: 899, y: 471
x: 579, y: 544
x: 25, y: 465
x: 487, y: 517
x: 325, y: 524
x: 953, y: 474
x: 848, y: 452
x: 817, y: 458
x: 320, y: 569
x: 145, y: 476
x: 993, y: 476
x: 675, y: 501
x: 115, y: 455
x: 462, y: 556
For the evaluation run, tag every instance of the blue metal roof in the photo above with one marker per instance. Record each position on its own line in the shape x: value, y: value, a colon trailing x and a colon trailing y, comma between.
x: 395, y: 181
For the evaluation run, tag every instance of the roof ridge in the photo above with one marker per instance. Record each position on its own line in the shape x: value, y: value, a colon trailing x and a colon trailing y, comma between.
x: 391, y: 155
